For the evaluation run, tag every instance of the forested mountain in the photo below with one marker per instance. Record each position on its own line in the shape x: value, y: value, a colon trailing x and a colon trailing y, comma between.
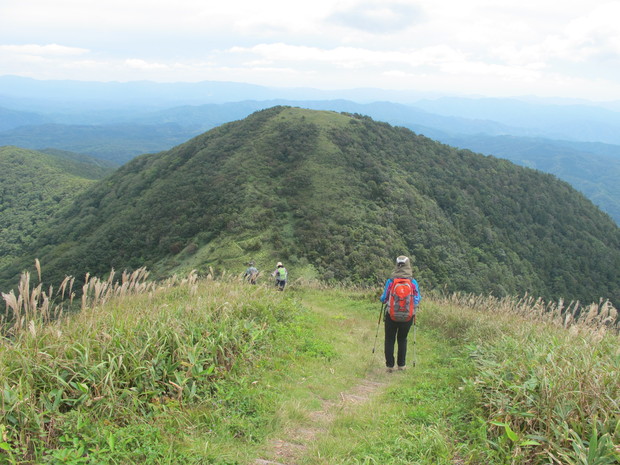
x: 80, y: 165
x: 33, y: 187
x: 593, y: 169
x: 337, y: 196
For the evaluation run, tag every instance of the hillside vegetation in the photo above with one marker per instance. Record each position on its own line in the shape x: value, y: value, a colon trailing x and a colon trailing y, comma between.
x: 80, y: 165
x: 35, y: 186
x: 336, y: 197
x: 593, y: 174
x: 216, y: 371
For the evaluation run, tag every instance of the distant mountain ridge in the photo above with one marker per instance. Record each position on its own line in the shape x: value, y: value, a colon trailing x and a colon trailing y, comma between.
x: 116, y: 143
x: 578, y: 122
x: 337, y: 196
x: 11, y: 119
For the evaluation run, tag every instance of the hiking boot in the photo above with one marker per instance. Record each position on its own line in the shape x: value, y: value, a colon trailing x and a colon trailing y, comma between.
x: 389, y: 369
x: 402, y: 368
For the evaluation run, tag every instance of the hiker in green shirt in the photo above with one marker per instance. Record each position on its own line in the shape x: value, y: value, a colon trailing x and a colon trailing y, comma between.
x: 280, y: 274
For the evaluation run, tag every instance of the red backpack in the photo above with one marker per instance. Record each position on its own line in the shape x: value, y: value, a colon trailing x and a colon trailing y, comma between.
x: 400, y: 301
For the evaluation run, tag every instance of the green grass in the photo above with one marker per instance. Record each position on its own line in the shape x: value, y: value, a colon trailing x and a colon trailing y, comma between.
x: 220, y: 372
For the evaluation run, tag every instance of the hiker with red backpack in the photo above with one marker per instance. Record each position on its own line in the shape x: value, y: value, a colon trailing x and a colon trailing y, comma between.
x: 400, y: 297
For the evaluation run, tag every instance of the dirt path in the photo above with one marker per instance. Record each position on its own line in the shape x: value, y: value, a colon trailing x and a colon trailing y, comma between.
x: 288, y: 451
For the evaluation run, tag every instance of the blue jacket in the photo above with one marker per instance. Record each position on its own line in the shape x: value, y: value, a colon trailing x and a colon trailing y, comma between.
x: 388, y: 284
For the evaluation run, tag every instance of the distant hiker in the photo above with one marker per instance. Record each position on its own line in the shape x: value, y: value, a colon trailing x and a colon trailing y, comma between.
x: 280, y: 274
x: 251, y: 274
x: 401, y: 296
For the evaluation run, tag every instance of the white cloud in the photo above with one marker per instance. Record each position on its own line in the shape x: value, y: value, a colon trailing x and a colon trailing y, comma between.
x: 137, y: 63
x: 381, y: 18
x: 429, y: 59
x: 43, y: 50
x: 465, y: 46
x: 596, y: 34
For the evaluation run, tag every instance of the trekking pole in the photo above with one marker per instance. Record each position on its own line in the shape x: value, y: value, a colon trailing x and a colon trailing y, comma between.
x: 378, y: 324
x: 414, y: 333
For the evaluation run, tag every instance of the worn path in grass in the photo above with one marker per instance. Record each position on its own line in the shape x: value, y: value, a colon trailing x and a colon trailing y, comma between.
x: 359, y: 413
x: 291, y: 449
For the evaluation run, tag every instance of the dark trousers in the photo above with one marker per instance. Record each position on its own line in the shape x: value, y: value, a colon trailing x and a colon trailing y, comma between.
x: 396, y: 332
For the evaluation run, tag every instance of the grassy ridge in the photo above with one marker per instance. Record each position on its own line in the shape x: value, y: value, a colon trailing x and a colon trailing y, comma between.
x: 213, y: 371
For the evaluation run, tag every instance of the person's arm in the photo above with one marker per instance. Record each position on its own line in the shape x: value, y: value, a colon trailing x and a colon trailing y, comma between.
x: 418, y: 296
x: 386, y: 290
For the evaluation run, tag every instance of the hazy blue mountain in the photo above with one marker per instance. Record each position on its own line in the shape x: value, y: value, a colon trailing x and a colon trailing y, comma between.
x: 200, y: 118
x: 582, y: 122
x: 577, y: 120
x: 10, y: 119
x: 117, y: 143
x: 48, y: 95
x: 66, y: 94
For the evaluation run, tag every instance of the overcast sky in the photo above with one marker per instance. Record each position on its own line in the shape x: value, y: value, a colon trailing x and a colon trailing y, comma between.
x: 568, y: 48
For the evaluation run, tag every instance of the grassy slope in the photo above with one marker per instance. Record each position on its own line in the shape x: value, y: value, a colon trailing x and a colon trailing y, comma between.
x: 222, y: 373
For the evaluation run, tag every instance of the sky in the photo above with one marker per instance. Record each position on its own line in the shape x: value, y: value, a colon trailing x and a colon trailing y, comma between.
x: 545, y: 48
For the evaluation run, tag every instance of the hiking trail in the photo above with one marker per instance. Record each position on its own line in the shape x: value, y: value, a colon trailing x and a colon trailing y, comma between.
x: 347, y: 401
x: 287, y: 451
